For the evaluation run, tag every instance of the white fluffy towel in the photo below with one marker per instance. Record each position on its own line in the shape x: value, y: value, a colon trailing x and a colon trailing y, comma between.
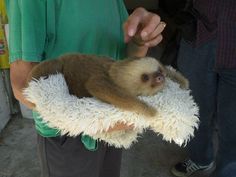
x: 176, y: 120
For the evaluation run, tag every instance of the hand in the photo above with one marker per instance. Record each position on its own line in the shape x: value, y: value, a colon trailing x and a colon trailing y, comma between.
x: 143, y: 28
x: 120, y: 126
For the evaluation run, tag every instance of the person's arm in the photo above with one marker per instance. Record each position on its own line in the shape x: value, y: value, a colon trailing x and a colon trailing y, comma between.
x: 142, y: 30
x: 19, y: 71
x: 226, y: 35
x: 27, y: 36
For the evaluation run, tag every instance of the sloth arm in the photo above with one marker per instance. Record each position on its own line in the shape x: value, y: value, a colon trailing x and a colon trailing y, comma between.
x: 105, y: 90
x: 177, y: 77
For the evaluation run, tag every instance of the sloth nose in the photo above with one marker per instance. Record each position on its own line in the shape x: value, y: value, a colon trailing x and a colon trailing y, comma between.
x: 159, y: 77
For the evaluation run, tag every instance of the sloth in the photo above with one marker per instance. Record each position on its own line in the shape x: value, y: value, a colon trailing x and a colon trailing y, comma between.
x: 115, y: 82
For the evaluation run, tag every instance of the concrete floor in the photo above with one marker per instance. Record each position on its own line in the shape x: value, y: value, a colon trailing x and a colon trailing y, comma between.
x: 150, y: 157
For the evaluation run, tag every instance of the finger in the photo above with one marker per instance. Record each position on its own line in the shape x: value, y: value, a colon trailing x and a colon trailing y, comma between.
x: 154, y: 41
x: 131, y: 26
x: 131, y: 126
x: 159, y: 29
x: 123, y: 125
x: 150, y: 24
x: 126, y: 36
x: 151, y: 37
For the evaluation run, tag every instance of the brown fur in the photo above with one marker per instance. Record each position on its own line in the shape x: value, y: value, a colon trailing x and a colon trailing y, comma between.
x: 116, y: 82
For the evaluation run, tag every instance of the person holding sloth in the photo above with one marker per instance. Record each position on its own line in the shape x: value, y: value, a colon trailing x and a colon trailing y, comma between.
x: 41, y: 30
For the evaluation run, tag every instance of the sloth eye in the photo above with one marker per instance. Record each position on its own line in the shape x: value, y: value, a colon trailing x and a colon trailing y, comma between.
x: 156, y: 74
x: 145, y: 77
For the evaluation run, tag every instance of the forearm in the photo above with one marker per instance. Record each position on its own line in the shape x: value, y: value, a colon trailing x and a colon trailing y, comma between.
x: 19, y: 71
x: 135, y: 50
x: 20, y: 97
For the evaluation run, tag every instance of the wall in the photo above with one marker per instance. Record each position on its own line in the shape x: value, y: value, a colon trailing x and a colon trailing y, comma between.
x: 4, y: 105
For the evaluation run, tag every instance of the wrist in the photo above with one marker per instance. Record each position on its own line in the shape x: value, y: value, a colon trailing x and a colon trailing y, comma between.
x: 135, y: 49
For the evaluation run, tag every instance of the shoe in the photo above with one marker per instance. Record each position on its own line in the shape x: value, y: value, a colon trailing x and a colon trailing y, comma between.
x: 188, y: 167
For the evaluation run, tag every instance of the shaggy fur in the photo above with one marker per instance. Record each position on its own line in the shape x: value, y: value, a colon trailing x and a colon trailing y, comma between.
x: 176, y: 120
x: 115, y: 82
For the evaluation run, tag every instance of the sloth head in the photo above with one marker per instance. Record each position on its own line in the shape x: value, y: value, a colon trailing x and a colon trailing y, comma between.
x: 143, y: 76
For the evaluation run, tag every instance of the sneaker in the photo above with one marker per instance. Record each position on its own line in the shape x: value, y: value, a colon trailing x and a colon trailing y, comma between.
x: 188, y: 167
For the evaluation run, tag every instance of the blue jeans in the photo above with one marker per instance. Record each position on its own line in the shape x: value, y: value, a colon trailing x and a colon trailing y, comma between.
x: 214, y: 90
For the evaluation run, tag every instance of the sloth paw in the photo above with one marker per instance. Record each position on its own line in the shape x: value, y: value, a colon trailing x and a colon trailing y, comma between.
x: 184, y: 84
x: 150, y: 112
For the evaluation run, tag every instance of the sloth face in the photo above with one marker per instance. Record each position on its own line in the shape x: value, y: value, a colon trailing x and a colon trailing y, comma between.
x: 155, y: 79
x: 152, y: 82
x: 145, y: 76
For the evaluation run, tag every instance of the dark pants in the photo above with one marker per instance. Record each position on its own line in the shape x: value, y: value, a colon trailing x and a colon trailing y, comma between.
x: 214, y: 91
x: 67, y: 157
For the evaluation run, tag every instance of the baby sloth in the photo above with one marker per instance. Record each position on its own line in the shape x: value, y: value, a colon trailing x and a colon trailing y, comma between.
x: 115, y: 82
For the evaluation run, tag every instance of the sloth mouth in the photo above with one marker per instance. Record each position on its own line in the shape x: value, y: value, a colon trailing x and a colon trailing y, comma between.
x: 159, y: 81
x: 156, y: 85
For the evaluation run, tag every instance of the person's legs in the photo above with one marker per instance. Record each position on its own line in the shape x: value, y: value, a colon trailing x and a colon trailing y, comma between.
x: 67, y: 157
x: 197, y: 64
x: 112, y: 163
x: 226, y: 115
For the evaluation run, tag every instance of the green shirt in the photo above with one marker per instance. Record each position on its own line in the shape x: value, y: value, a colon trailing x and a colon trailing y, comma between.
x: 45, y: 29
